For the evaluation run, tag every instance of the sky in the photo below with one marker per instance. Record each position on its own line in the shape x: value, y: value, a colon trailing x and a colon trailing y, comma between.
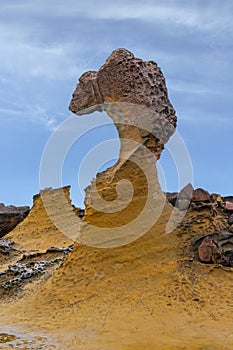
x: 45, y: 45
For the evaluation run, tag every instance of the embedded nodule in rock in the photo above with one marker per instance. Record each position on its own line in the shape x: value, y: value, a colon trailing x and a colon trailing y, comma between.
x: 134, y: 94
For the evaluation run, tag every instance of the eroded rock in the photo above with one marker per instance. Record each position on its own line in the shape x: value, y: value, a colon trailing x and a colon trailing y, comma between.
x: 216, y: 248
x: 134, y: 94
x: 200, y: 195
x: 184, y: 197
x: 11, y: 216
x: 229, y: 206
x: 32, y: 265
x: 134, y: 84
x: 172, y: 197
x: 230, y: 219
x: 206, y: 249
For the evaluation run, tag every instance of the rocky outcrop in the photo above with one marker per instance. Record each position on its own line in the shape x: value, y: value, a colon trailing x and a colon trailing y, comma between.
x: 134, y: 94
x: 39, y: 230
x: 30, y: 266
x: 124, y: 87
x: 200, y: 195
x: 11, y: 216
x: 126, y: 79
x: 207, y: 249
x: 229, y: 206
x: 37, y: 246
x: 216, y: 249
x: 140, y: 290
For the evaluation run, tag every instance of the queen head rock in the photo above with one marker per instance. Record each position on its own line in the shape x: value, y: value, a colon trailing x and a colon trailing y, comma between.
x: 133, y: 93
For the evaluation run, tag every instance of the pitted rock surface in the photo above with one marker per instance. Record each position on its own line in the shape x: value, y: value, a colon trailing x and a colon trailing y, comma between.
x: 134, y: 94
x: 200, y: 195
x: 126, y: 79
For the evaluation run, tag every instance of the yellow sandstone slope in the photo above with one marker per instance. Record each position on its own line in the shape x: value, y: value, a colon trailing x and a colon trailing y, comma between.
x: 149, y: 294
x: 37, y: 232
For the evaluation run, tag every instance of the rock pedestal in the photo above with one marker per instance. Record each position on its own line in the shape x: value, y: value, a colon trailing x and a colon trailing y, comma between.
x: 134, y: 95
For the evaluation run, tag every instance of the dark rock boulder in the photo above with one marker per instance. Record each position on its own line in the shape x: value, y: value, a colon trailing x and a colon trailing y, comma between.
x: 229, y: 206
x: 228, y: 199
x: 10, y: 216
x: 230, y: 219
x: 172, y: 197
x: 206, y: 248
x: 200, y: 195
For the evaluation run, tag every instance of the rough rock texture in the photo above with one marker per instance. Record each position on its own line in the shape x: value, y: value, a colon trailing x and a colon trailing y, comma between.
x: 134, y: 95
x: 36, y: 246
x: 37, y: 231
x: 200, y: 195
x: 206, y: 249
x: 123, y: 78
x: 172, y: 197
x: 184, y: 197
x: 230, y: 219
x: 150, y: 294
x: 10, y: 216
x: 126, y: 79
x: 138, y: 291
x: 228, y: 199
x: 229, y: 206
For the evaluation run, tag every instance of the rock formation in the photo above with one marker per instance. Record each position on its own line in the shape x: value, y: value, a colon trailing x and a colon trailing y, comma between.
x: 37, y: 232
x: 200, y: 195
x: 157, y: 292
x: 11, y: 216
x: 35, y: 247
x: 134, y: 95
x: 121, y: 85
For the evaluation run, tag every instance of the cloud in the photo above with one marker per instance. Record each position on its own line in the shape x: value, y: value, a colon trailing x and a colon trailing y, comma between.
x: 205, y: 16
x: 34, y: 114
x: 56, y: 40
x: 19, y: 55
x: 202, y: 16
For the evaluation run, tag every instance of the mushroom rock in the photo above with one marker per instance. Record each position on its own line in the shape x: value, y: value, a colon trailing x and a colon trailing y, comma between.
x: 134, y: 94
x: 121, y: 87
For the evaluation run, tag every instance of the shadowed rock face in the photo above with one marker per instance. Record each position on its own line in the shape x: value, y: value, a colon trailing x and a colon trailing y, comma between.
x: 10, y: 216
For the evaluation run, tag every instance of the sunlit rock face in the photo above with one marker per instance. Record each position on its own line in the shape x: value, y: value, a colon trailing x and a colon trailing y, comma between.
x: 134, y: 94
x: 39, y: 230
